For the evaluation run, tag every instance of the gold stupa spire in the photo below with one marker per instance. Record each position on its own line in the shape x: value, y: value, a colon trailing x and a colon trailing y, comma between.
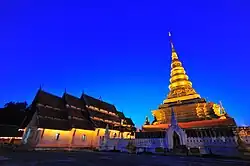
x: 180, y: 86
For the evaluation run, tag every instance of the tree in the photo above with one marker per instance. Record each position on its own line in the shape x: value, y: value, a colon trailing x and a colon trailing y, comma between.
x: 18, y: 106
x: 13, y: 113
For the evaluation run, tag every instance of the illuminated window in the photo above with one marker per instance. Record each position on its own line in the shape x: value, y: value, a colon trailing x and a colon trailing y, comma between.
x: 84, y: 137
x: 57, y: 136
x: 114, y: 135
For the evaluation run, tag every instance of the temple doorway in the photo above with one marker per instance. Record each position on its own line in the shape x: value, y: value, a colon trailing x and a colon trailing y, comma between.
x: 176, y: 140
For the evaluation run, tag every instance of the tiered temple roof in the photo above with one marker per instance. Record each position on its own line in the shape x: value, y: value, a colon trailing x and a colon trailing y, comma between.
x: 91, y: 101
x: 77, y: 113
x: 129, y: 121
x: 67, y: 112
x: 50, y: 111
x: 121, y: 115
x: 101, y: 112
x: 48, y: 99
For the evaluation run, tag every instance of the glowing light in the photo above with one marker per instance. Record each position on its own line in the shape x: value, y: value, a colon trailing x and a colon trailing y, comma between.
x: 177, y: 68
x: 180, y: 86
x: 84, y: 137
x: 180, y: 83
x: 10, y: 137
x: 178, y: 77
x: 181, y: 98
x: 57, y: 136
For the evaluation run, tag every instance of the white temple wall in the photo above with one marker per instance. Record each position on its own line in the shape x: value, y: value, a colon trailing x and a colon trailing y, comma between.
x: 148, y: 144
x: 215, y: 145
x: 193, y: 142
x: 218, y: 146
x: 117, y: 144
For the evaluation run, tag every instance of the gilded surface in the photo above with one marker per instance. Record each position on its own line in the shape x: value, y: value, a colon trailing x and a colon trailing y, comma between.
x: 183, y: 113
x: 218, y: 110
x: 180, y: 86
x: 244, y: 132
x: 200, y: 110
x: 181, y: 92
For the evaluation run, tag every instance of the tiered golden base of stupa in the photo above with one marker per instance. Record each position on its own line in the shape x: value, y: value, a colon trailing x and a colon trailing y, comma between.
x: 194, y: 113
x: 181, y: 94
x: 186, y: 102
x: 188, y: 111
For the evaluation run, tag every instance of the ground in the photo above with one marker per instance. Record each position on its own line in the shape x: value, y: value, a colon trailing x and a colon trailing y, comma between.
x: 108, y: 159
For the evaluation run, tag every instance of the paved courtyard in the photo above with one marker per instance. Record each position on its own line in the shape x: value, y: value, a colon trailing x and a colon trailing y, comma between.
x: 108, y: 159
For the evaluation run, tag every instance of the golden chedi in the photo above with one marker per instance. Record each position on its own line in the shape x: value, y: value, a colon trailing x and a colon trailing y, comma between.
x: 190, y: 109
x: 180, y: 87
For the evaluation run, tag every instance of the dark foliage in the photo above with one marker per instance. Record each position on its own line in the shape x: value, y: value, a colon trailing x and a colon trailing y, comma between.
x: 13, y: 113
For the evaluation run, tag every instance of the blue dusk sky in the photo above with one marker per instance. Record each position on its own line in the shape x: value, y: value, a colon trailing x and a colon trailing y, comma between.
x: 120, y: 50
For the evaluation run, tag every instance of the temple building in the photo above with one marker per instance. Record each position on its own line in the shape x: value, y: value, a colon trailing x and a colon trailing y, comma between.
x: 192, y: 111
x: 10, y: 134
x: 70, y: 122
x: 186, y: 123
x: 201, y: 141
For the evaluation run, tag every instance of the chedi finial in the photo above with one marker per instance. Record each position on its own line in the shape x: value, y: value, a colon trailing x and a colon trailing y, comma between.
x: 170, y: 39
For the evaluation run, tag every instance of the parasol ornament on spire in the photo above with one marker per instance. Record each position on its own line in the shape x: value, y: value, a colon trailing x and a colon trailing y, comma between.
x: 170, y: 38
